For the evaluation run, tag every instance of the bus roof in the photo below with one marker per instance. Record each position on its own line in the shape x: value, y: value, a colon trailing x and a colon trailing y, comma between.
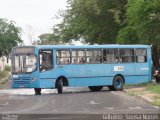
x: 90, y: 46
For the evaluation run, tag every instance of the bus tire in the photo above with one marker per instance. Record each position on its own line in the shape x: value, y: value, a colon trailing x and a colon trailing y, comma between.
x: 95, y: 88
x: 60, y: 86
x: 118, y: 83
x: 37, y: 91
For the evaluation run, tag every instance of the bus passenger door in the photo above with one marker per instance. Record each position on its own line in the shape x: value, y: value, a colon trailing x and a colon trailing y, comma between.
x: 126, y: 65
x: 142, y: 67
x: 45, y: 68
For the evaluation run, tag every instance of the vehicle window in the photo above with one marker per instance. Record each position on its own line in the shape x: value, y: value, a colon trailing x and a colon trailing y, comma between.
x: 110, y: 56
x: 46, y: 60
x: 24, y: 63
x: 97, y: 56
x: 141, y: 55
x: 89, y: 56
x: 94, y: 56
x: 127, y: 55
x: 63, y: 57
x: 78, y: 57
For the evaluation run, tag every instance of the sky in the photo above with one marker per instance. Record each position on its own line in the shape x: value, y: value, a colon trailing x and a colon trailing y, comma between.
x: 33, y: 16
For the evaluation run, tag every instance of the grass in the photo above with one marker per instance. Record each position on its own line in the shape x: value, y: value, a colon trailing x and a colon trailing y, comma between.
x: 139, y: 84
x: 156, y: 103
x: 3, y: 83
x: 134, y: 94
x: 3, y: 74
x: 155, y: 88
x: 4, y: 77
x: 136, y: 85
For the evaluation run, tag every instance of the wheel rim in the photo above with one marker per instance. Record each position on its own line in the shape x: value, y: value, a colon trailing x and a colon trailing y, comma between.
x: 118, y: 83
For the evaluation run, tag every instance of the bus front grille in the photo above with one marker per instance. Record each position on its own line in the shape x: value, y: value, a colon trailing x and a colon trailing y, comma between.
x: 21, y: 81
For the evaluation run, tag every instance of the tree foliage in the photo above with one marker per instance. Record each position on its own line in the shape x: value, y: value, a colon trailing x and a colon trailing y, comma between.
x: 9, y: 36
x: 51, y: 38
x: 94, y: 21
x: 142, y: 26
x: 142, y: 23
x: 90, y: 21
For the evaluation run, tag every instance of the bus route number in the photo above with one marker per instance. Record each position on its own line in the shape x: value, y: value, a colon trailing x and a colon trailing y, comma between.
x: 118, y: 68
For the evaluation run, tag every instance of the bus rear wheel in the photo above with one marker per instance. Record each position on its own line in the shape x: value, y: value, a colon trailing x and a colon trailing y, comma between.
x: 95, y: 88
x: 117, y: 83
x: 37, y: 91
x: 60, y: 86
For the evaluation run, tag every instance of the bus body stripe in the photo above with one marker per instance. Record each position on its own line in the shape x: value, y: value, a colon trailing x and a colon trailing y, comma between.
x: 96, y: 76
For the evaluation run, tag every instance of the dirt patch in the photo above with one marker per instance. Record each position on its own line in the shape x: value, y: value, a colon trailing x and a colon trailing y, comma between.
x: 137, y: 89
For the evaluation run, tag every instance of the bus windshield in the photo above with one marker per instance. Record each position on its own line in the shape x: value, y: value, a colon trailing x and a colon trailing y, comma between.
x: 23, y: 63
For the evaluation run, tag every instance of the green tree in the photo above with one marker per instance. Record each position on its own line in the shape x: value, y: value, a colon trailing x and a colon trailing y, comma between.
x: 45, y: 38
x: 142, y: 25
x: 94, y: 21
x: 9, y: 36
x: 51, y: 38
x: 120, y: 11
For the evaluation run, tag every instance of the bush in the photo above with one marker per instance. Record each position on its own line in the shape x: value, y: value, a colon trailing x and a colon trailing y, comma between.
x: 7, y: 68
x: 2, y: 74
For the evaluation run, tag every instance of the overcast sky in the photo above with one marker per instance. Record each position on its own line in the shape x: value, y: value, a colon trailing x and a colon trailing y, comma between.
x: 37, y: 15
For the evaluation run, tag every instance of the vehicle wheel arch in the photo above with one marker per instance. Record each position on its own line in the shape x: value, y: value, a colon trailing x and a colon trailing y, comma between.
x: 120, y: 76
x: 64, y: 80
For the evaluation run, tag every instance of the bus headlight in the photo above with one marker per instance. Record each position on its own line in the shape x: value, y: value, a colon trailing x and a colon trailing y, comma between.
x: 33, y: 79
x: 15, y: 76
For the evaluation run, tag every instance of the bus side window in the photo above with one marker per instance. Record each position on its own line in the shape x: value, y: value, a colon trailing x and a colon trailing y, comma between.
x: 110, y: 56
x: 97, y: 56
x: 141, y: 55
x: 78, y: 56
x: 46, y: 60
x: 89, y: 56
x: 127, y: 55
x: 81, y: 60
x: 63, y: 57
x: 94, y: 56
x: 74, y: 61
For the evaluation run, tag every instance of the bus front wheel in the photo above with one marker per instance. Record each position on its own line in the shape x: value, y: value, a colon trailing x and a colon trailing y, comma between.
x: 37, y: 91
x: 95, y: 88
x: 60, y: 86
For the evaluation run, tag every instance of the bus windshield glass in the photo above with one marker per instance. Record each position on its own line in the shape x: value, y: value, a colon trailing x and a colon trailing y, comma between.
x: 23, y: 63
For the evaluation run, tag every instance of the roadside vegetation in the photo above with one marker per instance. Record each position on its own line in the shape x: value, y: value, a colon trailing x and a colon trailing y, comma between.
x: 155, y: 89
x: 149, y: 92
x: 4, y: 76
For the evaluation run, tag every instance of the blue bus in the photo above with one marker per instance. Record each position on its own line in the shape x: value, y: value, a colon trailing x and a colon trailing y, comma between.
x: 95, y: 66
